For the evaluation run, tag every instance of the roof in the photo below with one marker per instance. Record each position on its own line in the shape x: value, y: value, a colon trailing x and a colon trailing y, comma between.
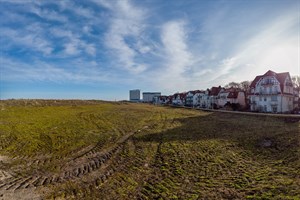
x: 214, y: 91
x: 233, y: 95
x: 279, y: 76
x: 195, y: 91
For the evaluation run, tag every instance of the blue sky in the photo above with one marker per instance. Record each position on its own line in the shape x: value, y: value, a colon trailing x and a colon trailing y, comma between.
x: 100, y: 49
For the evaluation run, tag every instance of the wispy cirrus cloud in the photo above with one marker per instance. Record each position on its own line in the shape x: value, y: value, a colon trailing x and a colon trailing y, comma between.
x: 177, y: 57
x: 169, y: 47
x: 123, y: 35
x: 42, y: 71
x: 48, y: 14
x: 27, y: 39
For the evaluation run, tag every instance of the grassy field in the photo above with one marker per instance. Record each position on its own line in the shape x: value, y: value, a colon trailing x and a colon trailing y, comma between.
x: 100, y: 150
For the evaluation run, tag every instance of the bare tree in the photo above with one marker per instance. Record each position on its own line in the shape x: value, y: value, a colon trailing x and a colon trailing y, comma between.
x: 245, y: 85
x: 232, y: 85
x: 296, y: 82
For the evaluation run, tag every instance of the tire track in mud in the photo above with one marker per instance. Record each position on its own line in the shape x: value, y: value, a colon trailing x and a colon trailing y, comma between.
x: 88, y: 162
x: 84, y: 162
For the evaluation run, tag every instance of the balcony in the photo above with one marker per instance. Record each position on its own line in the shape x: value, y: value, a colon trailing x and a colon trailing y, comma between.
x: 274, y: 103
x: 268, y: 92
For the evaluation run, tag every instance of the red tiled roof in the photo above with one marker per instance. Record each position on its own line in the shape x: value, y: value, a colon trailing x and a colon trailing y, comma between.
x: 257, y: 78
x: 182, y: 95
x: 214, y: 91
x: 279, y: 76
x: 233, y: 95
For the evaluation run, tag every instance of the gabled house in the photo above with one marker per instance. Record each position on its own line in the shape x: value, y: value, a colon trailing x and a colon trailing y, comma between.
x: 179, y: 98
x: 296, y: 98
x: 169, y: 99
x: 189, y: 98
x: 203, y: 98
x: 272, y: 92
x: 213, y: 97
x: 230, y: 97
x: 160, y: 100
x: 192, y: 98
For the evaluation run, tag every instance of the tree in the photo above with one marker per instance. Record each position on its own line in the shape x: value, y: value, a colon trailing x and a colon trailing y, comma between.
x: 245, y: 85
x: 232, y: 85
x: 296, y: 82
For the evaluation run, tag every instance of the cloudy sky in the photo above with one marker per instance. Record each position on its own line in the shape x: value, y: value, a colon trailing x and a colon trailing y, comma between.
x: 100, y: 49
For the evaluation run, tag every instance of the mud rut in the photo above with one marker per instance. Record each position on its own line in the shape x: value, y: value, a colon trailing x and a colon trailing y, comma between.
x: 83, y: 163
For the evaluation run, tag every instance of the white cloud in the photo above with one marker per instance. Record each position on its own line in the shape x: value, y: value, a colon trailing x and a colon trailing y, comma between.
x: 71, y: 48
x: 30, y: 40
x: 74, y: 44
x: 48, y: 14
x: 42, y: 71
x: 174, y: 42
x: 90, y: 49
x: 126, y: 23
x: 273, y: 48
x: 177, y: 57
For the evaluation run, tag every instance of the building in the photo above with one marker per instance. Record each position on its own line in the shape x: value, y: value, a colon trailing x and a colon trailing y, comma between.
x: 149, y: 96
x: 160, y: 100
x: 192, y: 98
x: 230, y: 97
x: 272, y: 92
x: 179, y: 98
x: 134, y: 95
x: 203, y: 99
x: 213, y: 97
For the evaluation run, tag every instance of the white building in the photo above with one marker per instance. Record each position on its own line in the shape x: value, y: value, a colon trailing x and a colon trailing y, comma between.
x: 160, y: 100
x: 134, y: 95
x: 231, y: 96
x: 272, y: 92
x: 179, y: 99
x: 192, y: 98
x: 296, y: 98
x: 203, y: 99
x: 213, y: 97
x: 149, y: 96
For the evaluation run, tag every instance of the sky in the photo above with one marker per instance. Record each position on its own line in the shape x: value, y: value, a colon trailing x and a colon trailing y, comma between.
x: 100, y: 49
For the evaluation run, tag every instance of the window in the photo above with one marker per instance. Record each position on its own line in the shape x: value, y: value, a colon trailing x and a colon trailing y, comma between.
x: 265, y: 98
x: 274, y: 98
x: 260, y: 98
x: 274, y: 109
x: 265, y: 108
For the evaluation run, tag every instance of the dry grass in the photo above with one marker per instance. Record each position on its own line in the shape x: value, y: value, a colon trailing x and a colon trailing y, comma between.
x: 173, y: 153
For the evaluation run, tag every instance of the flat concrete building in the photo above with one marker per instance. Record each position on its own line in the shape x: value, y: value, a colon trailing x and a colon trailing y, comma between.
x: 134, y: 95
x: 149, y: 96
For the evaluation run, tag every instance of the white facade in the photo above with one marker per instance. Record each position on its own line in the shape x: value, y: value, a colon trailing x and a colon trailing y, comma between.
x: 296, y: 98
x: 196, y: 97
x: 179, y: 99
x: 134, y: 95
x: 232, y: 96
x: 190, y: 99
x: 272, y: 92
x: 203, y: 100
x: 149, y: 96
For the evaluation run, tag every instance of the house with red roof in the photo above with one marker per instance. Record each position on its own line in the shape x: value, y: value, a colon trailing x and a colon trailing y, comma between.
x: 213, y: 94
x: 203, y: 99
x: 231, y: 96
x: 192, y: 98
x: 179, y: 98
x: 160, y: 99
x: 272, y: 92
